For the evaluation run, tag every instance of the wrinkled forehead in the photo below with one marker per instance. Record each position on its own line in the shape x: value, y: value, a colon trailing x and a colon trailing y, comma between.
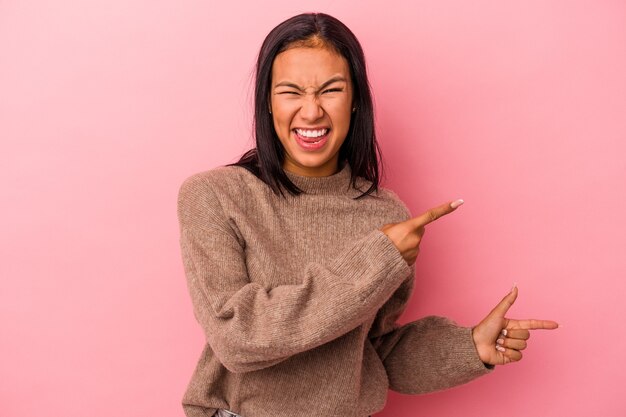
x: 309, y: 67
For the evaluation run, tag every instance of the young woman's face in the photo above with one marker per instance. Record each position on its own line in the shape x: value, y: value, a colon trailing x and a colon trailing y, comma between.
x: 311, y: 104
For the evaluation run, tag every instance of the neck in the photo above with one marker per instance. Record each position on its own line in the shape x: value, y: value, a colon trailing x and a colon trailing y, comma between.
x: 336, y: 183
x: 329, y: 168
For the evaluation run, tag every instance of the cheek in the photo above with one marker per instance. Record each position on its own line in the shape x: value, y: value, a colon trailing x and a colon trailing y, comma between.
x: 282, y: 123
x: 278, y: 118
x: 340, y: 111
x: 283, y: 115
x: 341, y: 119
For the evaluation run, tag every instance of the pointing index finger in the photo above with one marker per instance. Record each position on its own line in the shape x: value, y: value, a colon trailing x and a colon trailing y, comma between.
x: 435, y: 213
x: 533, y: 324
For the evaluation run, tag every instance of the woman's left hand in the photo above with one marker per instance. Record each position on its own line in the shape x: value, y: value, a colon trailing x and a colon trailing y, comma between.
x: 500, y: 340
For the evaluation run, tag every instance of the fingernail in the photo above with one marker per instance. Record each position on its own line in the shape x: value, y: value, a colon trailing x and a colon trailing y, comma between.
x: 500, y: 348
x: 500, y: 341
x: 504, y: 332
x: 456, y: 203
x: 513, y: 287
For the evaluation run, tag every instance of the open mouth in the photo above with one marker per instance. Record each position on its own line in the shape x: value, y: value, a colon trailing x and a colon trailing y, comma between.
x: 311, y: 139
x: 312, y: 136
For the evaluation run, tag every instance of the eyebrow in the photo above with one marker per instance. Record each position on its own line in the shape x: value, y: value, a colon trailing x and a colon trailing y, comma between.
x: 297, y: 87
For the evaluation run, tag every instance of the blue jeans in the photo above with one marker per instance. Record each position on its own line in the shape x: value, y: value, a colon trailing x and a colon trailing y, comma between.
x: 225, y: 413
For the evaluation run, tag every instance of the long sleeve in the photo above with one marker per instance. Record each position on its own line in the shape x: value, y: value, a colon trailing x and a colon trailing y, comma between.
x: 429, y: 354
x: 250, y: 327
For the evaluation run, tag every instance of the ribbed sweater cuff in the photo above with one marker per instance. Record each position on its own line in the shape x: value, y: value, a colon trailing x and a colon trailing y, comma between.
x: 469, y: 361
x: 432, y: 354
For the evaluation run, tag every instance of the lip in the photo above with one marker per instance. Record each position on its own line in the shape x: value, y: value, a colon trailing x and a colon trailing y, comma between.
x: 308, y: 146
x: 311, y: 127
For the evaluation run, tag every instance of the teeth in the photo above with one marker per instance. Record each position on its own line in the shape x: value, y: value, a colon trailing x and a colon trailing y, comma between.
x: 311, y: 133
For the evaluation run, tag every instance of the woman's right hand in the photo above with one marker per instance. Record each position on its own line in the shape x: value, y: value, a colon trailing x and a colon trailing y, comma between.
x: 407, y: 235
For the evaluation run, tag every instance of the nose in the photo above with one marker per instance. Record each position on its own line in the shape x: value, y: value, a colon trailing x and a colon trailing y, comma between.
x: 311, y: 109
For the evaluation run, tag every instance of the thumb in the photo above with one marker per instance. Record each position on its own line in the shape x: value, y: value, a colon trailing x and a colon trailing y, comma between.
x: 506, y: 303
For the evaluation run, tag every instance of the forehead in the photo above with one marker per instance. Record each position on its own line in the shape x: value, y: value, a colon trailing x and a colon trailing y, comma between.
x: 308, y: 65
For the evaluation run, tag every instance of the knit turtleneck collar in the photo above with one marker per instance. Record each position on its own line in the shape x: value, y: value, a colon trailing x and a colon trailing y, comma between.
x: 336, y: 183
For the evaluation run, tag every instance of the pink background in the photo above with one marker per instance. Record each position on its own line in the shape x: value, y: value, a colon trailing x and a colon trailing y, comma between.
x: 106, y: 106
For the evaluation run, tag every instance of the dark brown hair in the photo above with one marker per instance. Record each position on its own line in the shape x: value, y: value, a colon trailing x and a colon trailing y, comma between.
x: 359, y: 149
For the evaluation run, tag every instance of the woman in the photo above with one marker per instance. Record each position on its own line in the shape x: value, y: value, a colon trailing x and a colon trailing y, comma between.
x: 298, y: 292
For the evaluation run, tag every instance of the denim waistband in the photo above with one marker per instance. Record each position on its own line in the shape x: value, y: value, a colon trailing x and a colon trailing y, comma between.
x: 225, y: 413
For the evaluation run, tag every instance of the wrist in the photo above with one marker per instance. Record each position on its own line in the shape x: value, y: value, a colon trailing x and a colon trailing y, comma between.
x: 479, y: 348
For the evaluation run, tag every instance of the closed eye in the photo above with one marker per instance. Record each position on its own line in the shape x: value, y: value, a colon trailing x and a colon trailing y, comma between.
x: 333, y: 90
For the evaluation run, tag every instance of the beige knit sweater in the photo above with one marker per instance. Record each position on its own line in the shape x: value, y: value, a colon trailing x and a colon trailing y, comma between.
x: 298, y: 299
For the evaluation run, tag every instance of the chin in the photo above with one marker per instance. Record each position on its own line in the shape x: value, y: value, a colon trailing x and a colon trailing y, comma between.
x: 312, y: 161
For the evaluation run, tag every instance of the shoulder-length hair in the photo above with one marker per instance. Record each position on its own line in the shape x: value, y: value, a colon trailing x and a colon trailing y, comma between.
x: 359, y: 149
